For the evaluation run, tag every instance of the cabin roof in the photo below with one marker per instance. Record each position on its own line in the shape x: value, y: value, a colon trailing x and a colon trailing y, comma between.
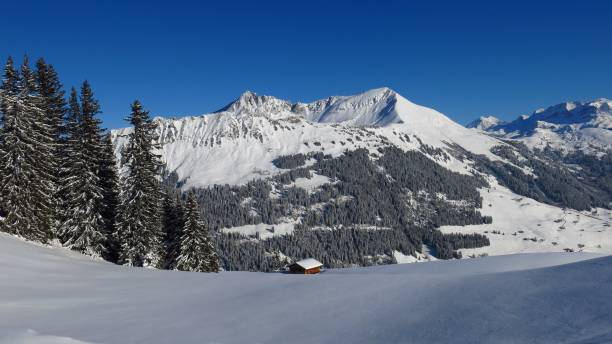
x: 309, y: 263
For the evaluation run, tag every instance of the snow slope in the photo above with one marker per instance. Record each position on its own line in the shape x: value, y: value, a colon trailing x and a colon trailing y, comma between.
x: 238, y: 143
x: 56, y: 296
x: 521, y: 225
x: 585, y: 126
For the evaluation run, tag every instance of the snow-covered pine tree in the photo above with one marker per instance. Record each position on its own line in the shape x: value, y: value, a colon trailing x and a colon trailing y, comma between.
x: 8, y: 97
x: 15, y: 144
x: 43, y: 141
x: 109, y: 182
x: 139, y: 226
x: 25, y: 177
x: 70, y: 160
x: 198, y: 252
x: 8, y: 89
x: 172, y: 229
x: 84, y: 227
x: 49, y: 135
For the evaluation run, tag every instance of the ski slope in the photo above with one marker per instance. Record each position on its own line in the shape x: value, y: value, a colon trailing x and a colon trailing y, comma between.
x: 50, y: 295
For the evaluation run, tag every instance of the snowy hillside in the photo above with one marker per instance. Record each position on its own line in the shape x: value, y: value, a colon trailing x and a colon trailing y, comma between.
x: 571, y: 126
x: 521, y: 225
x: 51, y: 295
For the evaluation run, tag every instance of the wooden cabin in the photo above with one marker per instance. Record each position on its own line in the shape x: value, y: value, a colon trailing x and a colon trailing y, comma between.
x: 306, y: 266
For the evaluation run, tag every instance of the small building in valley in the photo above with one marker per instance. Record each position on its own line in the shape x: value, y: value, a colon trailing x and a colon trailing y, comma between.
x: 306, y: 266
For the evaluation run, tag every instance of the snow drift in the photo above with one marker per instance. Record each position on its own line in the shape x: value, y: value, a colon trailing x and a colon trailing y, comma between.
x: 52, y: 295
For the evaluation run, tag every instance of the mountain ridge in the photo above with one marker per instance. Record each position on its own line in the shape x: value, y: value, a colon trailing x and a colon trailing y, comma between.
x: 568, y: 127
x: 370, y: 108
x: 253, y: 130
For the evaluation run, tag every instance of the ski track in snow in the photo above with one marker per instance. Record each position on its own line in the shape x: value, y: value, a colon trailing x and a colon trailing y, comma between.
x: 530, y: 298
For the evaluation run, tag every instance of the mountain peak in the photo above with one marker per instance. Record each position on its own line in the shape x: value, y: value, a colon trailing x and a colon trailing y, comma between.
x: 251, y: 103
x: 603, y: 104
x: 247, y: 96
x: 484, y: 122
x: 374, y: 107
x: 382, y: 91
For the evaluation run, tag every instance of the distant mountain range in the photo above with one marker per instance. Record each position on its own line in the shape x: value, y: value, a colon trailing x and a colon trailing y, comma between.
x: 282, y: 181
x: 567, y: 127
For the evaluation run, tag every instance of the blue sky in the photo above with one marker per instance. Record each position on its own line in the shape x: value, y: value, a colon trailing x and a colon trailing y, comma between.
x: 190, y: 57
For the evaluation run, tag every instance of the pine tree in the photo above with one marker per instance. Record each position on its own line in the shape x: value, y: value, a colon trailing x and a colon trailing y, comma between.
x: 139, y: 227
x: 24, y: 184
x: 172, y: 229
x: 84, y: 228
x: 42, y: 185
x: 109, y: 183
x: 50, y: 141
x: 8, y: 98
x: 197, y: 249
x: 70, y: 159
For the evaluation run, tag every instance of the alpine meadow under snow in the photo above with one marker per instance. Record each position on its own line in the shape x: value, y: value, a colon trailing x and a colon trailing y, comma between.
x: 50, y: 295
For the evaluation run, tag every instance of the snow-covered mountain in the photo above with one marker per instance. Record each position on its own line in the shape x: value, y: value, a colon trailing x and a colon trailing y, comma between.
x: 485, y: 122
x: 419, y: 167
x: 238, y: 142
x: 567, y: 127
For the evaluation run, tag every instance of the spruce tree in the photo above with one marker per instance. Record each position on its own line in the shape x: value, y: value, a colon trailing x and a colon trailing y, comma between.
x: 50, y: 140
x: 198, y: 252
x: 8, y: 90
x: 172, y: 228
x: 109, y: 183
x: 84, y: 228
x: 24, y: 184
x: 42, y: 185
x: 71, y: 170
x: 70, y: 159
x: 8, y: 99
x: 139, y: 227
x: 15, y: 145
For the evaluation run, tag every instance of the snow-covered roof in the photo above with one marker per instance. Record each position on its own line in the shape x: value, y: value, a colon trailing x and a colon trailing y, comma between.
x: 309, y: 263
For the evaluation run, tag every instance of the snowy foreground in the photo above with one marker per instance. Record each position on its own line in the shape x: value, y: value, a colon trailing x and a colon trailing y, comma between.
x: 54, y: 296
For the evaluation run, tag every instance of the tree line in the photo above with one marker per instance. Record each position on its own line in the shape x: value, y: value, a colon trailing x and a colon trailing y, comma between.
x: 59, y: 180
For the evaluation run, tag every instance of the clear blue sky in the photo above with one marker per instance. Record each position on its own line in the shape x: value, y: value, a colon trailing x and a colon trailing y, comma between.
x: 190, y: 57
